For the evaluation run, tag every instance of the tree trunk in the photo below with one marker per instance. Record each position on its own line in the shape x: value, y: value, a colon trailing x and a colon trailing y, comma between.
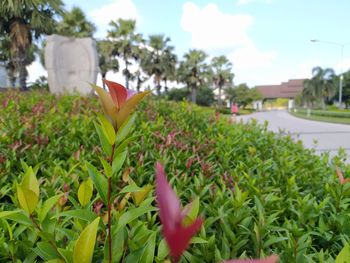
x: 22, y: 68
x: 138, y: 86
x: 139, y: 82
x: 126, y: 75
x: 323, y: 102
x: 158, y: 86
x: 103, y: 74
x: 165, y: 86
x: 219, y: 98
x: 194, y: 94
x: 11, y: 75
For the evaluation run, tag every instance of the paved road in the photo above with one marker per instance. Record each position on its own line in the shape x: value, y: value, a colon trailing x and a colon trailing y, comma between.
x: 329, y: 136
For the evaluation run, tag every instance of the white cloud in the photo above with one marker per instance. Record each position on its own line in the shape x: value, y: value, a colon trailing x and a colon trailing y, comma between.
x: 304, y: 69
x: 250, y: 57
x: 244, y: 2
x: 124, y: 9
x: 212, y: 29
x: 217, y: 32
x: 342, y: 66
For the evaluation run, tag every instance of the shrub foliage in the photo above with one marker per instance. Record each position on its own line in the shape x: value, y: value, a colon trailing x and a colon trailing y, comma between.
x: 259, y: 192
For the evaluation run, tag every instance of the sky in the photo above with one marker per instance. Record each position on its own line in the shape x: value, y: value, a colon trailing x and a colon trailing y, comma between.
x: 267, y: 41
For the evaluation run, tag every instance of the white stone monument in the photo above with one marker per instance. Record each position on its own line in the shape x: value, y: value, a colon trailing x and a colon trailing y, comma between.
x: 71, y: 63
x: 3, y: 77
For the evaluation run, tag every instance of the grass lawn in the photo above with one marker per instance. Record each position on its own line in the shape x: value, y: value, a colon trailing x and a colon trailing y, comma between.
x: 332, y: 119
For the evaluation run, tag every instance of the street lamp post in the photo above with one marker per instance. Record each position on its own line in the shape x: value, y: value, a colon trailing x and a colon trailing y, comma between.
x: 341, y: 45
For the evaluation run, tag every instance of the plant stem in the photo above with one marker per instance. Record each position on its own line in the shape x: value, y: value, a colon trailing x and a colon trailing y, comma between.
x: 40, y: 230
x: 109, y: 222
x: 109, y: 225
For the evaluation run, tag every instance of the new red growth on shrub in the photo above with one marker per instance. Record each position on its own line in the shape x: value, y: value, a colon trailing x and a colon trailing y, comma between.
x: 176, y: 234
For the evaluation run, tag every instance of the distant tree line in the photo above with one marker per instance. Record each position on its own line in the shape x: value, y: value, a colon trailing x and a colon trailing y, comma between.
x: 23, y: 25
x: 323, y: 89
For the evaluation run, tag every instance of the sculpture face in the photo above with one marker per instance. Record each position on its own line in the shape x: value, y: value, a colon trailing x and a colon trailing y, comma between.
x: 71, y: 64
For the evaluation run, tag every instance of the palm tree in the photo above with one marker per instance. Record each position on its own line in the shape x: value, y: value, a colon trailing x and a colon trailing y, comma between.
x: 140, y: 78
x: 193, y: 71
x: 126, y: 44
x: 221, y: 73
x: 321, y: 84
x: 24, y: 20
x: 346, y: 88
x: 169, y: 64
x: 159, y: 59
x: 308, y: 93
x: 75, y: 24
x: 107, y: 59
x: 6, y: 59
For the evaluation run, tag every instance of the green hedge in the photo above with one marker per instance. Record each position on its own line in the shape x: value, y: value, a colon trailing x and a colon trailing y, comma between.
x: 260, y: 193
x: 325, y: 113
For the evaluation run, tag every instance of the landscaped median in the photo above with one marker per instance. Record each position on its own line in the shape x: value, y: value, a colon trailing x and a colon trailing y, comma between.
x: 339, y: 116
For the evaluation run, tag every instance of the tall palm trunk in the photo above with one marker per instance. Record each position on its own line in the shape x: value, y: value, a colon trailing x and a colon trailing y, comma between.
x: 138, y: 85
x: 126, y: 70
x: 103, y: 74
x: 20, y: 41
x: 157, y: 79
x: 219, y: 98
x: 11, y: 73
x: 166, y: 86
x: 22, y: 68
x: 194, y: 94
x: 323, y: 103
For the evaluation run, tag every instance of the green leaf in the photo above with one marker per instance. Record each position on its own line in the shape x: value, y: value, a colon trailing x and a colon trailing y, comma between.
x: 344, y: 255
x: 198, y: 240
x: 125, y: 143
x: 118, y: 162
x: 79, y: 213
x: 192, y: 209
x: 55, y: 261
x: 84, y: 247
x: 106, y: 146
x: 132, y: 214
x: 139, y: 196
x: 28, y: 200
x: 107, y: 168
x: 47, y: 251
x: 125, y: 129
x: 24, y: 165
x: 8, y: 213
x: 134, y: 256
x: 163, y: 250
x: 274, y: 240
x: 128, y: 107
x: 99, y: 181
x: 66, y: 254
x: 130, y: 189
x: 85, y: 192
x: 148, y: 253
x: 30, y: 182
x: 19, y: 218
x: 107, y: 103
x: 107, y: 129
x: 118, y: 240
x: 48, y: 204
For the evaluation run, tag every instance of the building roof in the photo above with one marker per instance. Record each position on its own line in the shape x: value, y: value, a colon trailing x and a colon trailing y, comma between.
x: 287, y: 89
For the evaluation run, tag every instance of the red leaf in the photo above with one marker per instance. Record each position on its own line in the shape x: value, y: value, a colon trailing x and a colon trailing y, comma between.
x: 117, y: 91
x: 342, y: 180
x: 176, y: 234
